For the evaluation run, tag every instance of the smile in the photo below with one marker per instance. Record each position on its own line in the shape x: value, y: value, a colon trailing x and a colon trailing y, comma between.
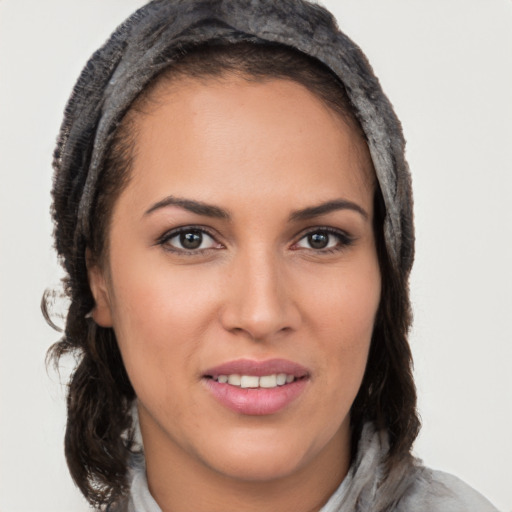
x: 257, y: 388
x: 253, y: 381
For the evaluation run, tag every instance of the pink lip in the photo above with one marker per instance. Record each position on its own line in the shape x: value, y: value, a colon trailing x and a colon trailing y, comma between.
x: 257, y: 368
x: 257, y: 401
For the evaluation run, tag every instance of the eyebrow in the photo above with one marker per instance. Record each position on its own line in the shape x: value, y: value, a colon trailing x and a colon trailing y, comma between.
x: 327, y: 207
x: 197, y: 207
x: 209, y: 210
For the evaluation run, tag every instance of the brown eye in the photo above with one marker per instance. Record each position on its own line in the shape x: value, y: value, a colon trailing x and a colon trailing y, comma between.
x: 324, y: 240
x: 191, y: 240
x: 188, y: 240
x: 318, y: 240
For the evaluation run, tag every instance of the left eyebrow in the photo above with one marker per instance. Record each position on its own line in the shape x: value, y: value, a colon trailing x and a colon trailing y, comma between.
x: 197, y: 207
x: 327, y: 207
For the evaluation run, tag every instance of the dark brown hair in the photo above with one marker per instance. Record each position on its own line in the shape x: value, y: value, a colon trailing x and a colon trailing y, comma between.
x: 99, y: 441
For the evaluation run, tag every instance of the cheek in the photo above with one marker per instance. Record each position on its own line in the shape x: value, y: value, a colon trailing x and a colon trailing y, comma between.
x: 159, y: 318
x: 151, y: 296
x: 345, y: 302
x: 342, y: 314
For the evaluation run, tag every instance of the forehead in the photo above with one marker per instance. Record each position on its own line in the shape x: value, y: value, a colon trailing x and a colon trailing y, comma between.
x: 259, y: 151
x: 294, y: 114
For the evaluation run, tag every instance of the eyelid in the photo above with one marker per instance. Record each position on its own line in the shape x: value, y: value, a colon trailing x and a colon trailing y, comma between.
x: 345, y: 238
x: 171, y: 233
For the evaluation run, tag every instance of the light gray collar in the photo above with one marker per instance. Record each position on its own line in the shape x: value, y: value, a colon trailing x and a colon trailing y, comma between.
x: 368, y: 486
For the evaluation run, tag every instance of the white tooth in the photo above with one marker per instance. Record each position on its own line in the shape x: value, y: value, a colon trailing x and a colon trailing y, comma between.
x: 234, y: 380
x: 289, y: 378
x: 268, y: 381
x: 281, y: 379
x: 249, y: 381
x: 222, y: 379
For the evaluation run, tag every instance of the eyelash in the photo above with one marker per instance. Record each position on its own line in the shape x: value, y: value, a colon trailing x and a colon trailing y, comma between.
x: 169, y: 235
x: 344, y: 240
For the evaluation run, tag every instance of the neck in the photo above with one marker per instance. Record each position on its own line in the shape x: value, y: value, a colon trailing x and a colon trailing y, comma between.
x: 182, y: 482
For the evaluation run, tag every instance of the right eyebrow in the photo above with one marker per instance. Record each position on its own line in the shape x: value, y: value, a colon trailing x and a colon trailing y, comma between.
x: 328, y: 207
x: 197, y: 207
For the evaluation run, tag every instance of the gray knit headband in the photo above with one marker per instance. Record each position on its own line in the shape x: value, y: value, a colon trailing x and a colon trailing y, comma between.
x: 125, y: 65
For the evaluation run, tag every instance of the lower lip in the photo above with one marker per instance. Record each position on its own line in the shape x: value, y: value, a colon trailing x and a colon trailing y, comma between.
x: 256, y: 401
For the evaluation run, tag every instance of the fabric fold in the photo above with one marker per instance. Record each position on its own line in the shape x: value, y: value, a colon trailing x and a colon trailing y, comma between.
x: 367, y: 487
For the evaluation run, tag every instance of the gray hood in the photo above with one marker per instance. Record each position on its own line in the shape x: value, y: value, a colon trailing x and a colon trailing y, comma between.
x: 368, y: 486
x: 118, y: 72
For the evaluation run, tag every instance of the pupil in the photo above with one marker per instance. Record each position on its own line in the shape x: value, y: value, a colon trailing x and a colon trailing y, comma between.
x: 191, y: 239
x: 318, y: 240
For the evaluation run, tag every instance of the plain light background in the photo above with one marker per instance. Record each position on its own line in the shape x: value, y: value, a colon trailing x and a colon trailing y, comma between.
x: 447, y: 67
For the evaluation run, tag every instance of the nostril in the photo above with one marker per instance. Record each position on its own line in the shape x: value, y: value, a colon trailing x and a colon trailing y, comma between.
x: 258, y: 305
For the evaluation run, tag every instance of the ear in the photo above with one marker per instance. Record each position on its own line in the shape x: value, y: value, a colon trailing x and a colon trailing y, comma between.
x: 101, y: 313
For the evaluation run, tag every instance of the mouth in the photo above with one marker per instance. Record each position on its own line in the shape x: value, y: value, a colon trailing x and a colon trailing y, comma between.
x: 257, y: 387
x: 253, y: 381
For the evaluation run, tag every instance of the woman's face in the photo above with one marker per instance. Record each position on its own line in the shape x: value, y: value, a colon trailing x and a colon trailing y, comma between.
x: 242, y: 250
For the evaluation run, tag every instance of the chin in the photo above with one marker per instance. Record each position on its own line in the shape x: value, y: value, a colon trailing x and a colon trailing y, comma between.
x: 260, y: 466
x: 263, y: 456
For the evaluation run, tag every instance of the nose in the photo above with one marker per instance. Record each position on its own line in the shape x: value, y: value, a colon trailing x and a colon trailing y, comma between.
x: 259, y: 297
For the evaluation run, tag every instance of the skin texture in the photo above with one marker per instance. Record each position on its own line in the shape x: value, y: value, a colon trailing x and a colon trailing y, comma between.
x: 256, y: 289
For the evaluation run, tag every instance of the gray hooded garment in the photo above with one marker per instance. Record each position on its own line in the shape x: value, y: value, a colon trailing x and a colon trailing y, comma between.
x: 409, y: 487
x: 149, y: 40
x: 141, y: 48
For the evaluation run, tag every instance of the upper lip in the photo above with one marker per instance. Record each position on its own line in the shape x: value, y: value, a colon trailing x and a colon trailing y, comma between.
x: 257, y: 368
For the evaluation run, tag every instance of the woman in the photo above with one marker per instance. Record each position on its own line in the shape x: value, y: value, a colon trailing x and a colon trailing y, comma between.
x: 233, y: 210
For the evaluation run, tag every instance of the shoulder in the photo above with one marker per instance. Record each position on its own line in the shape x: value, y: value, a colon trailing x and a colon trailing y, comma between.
x: 438, y: 491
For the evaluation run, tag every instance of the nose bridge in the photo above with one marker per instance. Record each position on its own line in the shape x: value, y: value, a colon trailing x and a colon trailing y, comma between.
x: 259, y: 303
